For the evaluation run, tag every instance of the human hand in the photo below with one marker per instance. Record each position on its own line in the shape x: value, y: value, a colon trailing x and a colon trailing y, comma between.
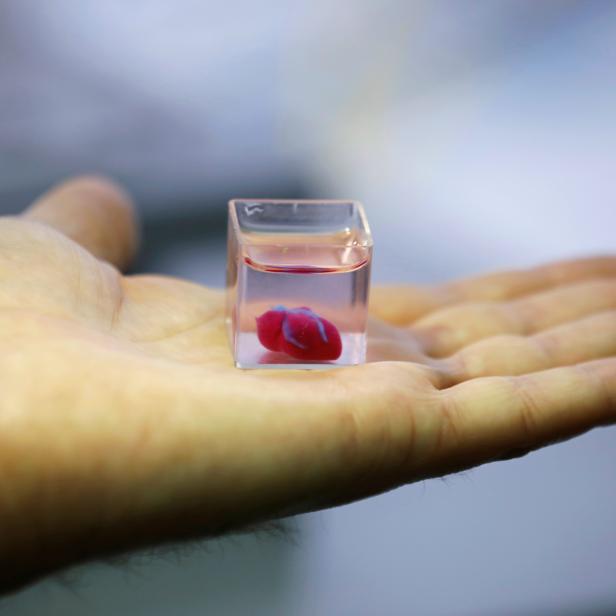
x: 124, y: 423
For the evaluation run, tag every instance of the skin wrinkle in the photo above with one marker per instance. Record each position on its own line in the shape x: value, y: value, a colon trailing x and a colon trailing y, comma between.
x: 401, y: 427
x: 448, y: 427
x: 117, y: 310
x: 408, y: 399
x: 529, y: 408
x: 209, y: 323
x: 113, y: 284
x: 547, y: 343
x: 385, y: 443
x: 135, y: 317
x: 521, y: 321
x: 527, y: 313
x: 456, y: 367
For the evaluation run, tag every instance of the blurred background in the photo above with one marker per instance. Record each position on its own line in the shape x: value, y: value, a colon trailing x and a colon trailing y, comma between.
x: 479, y: 135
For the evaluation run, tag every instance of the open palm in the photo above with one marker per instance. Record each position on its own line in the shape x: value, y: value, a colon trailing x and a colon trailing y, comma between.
x: 124, y: 423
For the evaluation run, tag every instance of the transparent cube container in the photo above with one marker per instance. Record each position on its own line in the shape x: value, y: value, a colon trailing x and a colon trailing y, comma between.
x: 298, y: 278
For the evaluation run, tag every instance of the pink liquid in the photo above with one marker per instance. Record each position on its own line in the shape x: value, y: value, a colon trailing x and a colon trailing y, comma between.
x: 320, y: 272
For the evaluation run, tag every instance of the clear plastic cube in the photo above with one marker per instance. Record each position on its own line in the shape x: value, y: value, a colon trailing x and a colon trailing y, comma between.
x: 298, y: 278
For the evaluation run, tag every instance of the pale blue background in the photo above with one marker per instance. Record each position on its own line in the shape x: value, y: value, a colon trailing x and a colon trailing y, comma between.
x: 479, y: 136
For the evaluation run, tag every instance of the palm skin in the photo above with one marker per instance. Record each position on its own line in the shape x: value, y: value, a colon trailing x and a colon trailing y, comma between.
x: 124, y: 423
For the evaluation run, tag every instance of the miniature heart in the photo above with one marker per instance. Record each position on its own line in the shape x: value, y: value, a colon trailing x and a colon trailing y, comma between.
x: 300, y: 333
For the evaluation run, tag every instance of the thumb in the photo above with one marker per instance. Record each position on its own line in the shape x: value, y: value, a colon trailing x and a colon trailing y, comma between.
x: 94, y: 212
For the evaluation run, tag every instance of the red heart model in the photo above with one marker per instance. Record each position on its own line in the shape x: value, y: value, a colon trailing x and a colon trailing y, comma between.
x: 300, y: 333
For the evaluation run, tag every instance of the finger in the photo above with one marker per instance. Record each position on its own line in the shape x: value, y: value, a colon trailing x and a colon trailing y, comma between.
x: 403, y: 304
x: 448, y: 330
x: 517, y: 283
x: 493, y: 417
x: 590, y: 338
x: 94, y: 212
